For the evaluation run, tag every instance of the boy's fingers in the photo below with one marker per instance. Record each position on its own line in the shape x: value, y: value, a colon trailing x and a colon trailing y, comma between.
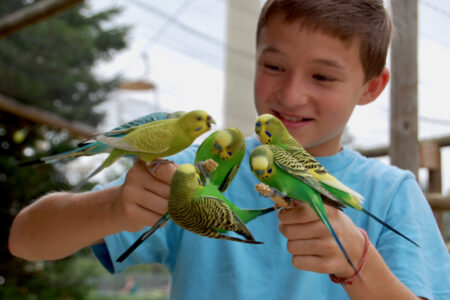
x: 297, y: 215
x: 163, y: 171
x: 311, y: 263
x: 152, y: 202
x: 301, y: 231
x: 317, y: 247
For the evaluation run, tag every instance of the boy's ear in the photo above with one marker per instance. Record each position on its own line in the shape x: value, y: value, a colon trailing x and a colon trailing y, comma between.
x: 375, y: 86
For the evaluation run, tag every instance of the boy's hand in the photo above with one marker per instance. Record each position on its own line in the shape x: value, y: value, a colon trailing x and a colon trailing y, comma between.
x: 144, y: 196
x: 312, y: 246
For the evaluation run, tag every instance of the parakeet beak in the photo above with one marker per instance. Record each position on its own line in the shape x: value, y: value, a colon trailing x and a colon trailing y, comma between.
x: 259, y: 172
x: 209, y: 121
x: 258, y: 127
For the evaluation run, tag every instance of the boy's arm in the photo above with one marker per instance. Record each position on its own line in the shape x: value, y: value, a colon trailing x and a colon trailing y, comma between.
x: 60, y: 224
x: 313, y: 249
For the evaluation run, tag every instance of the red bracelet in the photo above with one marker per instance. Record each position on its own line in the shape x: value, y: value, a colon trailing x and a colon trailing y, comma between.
x: 350, y: 280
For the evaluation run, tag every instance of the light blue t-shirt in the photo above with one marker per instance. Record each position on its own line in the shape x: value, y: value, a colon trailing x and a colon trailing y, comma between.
x: 205, y: 268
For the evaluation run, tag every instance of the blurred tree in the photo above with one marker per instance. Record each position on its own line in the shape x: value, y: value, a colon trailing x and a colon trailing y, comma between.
x: 48, y: 65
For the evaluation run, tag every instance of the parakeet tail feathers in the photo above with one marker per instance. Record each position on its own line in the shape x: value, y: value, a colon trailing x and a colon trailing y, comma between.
x: 320, y: 211
x: 112, y: 158
x: 143, y: 237
x: 62, y: 156
x: 388, y: 226
x: 248, y: 215
x: 338, y: 185
x: 232, y: 238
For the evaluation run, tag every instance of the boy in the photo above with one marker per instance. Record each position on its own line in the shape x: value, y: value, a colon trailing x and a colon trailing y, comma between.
x: 316, y: 60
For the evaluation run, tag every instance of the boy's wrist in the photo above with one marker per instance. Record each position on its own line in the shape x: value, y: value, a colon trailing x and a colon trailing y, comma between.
x: 350, y: 276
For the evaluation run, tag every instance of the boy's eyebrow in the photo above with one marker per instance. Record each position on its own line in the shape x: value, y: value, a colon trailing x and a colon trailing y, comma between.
x: 329, y: 62
x: 270, y: 48
x: 323, y: 61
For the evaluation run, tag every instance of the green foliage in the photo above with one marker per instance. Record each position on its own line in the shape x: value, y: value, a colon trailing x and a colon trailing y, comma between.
x: 47, y: 65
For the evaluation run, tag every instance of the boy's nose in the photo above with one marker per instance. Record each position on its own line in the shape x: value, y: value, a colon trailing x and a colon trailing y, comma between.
x: 293, y: 92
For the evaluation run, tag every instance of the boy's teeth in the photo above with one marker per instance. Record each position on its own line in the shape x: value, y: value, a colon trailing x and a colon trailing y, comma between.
x: 291, y: 118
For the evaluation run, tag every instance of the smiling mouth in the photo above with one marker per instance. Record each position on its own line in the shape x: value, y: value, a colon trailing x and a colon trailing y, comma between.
x: 291, y: 118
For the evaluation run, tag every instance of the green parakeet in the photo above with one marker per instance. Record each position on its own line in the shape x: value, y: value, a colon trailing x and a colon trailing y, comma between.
x: 272, y: 131
x: 152, y: 139
x: 278, y: 169
x: 227, y: 148
x: 204, y: 210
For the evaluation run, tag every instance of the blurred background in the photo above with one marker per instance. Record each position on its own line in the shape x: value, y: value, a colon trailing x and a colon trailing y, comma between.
x: 70, y: 69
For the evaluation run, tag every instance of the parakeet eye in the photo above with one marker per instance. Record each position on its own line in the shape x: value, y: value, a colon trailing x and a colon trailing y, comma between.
x: 218, y: 147
x: 199, y: 118
x: 267, y: 122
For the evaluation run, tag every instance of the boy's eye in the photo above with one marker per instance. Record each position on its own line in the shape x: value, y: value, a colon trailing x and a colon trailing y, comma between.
x: 273, y: 67
x: 321, y: 77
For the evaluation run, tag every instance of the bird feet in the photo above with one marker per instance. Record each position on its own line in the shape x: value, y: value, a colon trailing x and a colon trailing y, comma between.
x: 275, y: 195
x: 156, y: 163
x: 205, y: 168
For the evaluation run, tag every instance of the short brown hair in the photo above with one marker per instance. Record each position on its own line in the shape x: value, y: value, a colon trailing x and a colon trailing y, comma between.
x: 367, y: 20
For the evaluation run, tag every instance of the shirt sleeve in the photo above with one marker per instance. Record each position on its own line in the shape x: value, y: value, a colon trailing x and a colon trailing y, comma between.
x: 425, y: 270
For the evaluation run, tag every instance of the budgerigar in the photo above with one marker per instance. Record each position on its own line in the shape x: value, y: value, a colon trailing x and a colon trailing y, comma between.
x: 278, y: 169
x: 272, y: 131
x: 93, y: 146
x: 148, y: 141
x: 227, y: 148
x: 204, y: 210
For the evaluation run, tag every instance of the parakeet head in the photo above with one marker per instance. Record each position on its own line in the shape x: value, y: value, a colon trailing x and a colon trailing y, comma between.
x: 228, y: 142
x: 269, y: 128
x: 196, y: 122
x: 187, y: 177
x: 176, y: 114
x: 261, y: 162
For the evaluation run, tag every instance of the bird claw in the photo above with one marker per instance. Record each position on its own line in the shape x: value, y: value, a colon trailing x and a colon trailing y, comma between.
x: 157, y: 162
x: 275, y: 195
x: 205, y: 168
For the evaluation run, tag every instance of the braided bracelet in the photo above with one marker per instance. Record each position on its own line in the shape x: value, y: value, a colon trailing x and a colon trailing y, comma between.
x: 350, y: 280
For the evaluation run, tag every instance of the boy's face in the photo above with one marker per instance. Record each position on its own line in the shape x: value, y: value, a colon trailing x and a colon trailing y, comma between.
x: 309, y: 80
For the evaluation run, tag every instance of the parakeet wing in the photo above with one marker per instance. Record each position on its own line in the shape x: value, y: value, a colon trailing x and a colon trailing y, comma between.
x: 153, y: 138
x: 320, y: 173
x: 290, y: 165
x: 121, y: 130
x: 224, y: 217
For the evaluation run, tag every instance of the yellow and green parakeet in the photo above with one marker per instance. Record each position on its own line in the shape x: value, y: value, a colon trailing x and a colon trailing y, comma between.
x: 278, y: 169
x: 149, y: 137
x: 226, y: 147
x: 272, y: 131
x: 203, y: 209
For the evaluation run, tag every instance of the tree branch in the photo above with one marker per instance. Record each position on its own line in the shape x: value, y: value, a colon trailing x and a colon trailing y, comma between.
x: 32, y: 14
x: 44, y: 117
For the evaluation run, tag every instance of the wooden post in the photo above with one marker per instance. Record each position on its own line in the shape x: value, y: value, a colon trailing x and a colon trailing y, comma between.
x: 239, y: 110
x: 430, y: 158
x: 404, y: 149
